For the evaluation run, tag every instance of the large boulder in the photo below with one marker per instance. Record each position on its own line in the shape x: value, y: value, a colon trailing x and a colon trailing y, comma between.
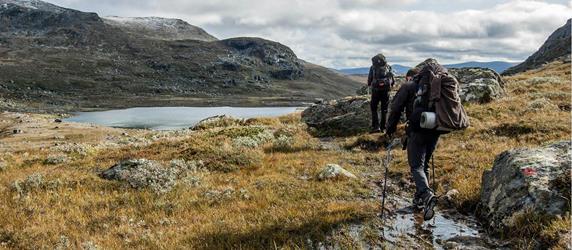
x: 347, y: 116
x: 526, y: 181
x: 480, y: 85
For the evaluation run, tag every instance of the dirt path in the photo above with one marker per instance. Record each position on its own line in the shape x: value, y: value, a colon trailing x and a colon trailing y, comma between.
x: 405, y: 228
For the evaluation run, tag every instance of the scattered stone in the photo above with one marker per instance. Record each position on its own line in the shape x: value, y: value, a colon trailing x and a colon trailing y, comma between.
x: 58, y: 120
x: 143, y: 173
x: 244, y: 194
x: 347, y: 116
x: 450, y: 198
x: 23, y: 187
x: 542, y: 104
x: 521, y: 181
x: 63, y: 243
x: 17, y: 131
x: 56, y: 159
x: 124, y: 134
x: 89, y: 245
x: 334, y: 171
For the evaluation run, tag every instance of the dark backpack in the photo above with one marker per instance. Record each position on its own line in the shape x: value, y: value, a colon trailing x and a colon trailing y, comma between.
x: 382, y: 77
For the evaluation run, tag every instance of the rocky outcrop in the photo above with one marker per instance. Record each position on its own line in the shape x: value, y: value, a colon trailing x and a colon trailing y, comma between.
x: 479, y: 85
x: 556, y: 47
x: 526, y: 181
x: 282, y: 60
x: 347, y: 116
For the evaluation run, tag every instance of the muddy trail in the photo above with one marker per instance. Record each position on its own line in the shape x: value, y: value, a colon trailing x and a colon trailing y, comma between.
x: 403, y: 227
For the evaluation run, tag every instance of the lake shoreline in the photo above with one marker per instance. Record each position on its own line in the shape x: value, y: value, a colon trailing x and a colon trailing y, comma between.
x: 172, y: 118
x: 83, y: 104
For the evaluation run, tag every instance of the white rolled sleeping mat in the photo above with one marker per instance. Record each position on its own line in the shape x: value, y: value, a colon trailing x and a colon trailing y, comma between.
x: 428, y: 120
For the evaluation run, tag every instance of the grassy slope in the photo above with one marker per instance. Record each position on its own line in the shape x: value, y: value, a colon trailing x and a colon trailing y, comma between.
x: 283, y: 207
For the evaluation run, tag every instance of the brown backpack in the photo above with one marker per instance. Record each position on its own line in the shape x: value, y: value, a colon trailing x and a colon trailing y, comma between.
x: 445, y: 95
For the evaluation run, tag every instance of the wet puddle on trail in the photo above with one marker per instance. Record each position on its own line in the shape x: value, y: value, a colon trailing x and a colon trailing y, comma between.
x: 406, y: 229
x: 445, y: 226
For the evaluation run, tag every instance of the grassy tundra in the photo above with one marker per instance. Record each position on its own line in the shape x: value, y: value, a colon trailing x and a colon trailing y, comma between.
x: 247, y: 184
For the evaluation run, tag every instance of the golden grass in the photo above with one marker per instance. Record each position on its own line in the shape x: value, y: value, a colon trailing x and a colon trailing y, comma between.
x: 262, y: 197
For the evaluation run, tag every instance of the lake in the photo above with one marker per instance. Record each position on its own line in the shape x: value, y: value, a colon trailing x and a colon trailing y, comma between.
x: 171, y: 118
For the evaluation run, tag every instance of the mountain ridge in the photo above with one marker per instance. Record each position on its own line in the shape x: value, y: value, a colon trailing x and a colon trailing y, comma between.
x: 58, y: 57
x: 556, y: 47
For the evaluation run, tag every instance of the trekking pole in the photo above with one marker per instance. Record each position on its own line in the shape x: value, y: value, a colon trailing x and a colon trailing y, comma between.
x: 433, y: 174
x: 387, y: 162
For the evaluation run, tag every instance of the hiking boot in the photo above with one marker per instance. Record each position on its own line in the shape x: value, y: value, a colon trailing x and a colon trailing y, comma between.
x: 418, y: 203
x: 429, y: 201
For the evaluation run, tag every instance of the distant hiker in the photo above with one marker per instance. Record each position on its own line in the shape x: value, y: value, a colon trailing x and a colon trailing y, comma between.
x: 429, y: 91
x: 380, y: 80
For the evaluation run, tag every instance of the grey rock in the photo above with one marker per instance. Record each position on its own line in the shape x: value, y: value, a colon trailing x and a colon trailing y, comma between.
x: 347, y: 116
x: 450, y: 198
x: 334, y: 171
x: 533, y: 180
x: 479, y: 85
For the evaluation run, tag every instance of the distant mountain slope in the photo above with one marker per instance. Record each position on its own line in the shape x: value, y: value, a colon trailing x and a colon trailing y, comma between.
x: 556, y: 47
x: 160, y: 28
x: 64, y: 57
x: 354, y: 71
x: 497, y: 66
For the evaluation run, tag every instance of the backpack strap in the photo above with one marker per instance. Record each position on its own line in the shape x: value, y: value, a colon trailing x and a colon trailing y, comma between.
x: 435, y: 88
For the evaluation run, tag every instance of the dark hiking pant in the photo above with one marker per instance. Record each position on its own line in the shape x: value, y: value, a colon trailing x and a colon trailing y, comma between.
x: 420, y: 148
x: 379, y: 96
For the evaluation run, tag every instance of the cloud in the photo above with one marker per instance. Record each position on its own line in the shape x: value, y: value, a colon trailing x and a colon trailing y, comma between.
x: 345, y: 33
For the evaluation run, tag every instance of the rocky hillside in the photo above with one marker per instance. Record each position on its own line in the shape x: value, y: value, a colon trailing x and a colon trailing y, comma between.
x: 556, y: 47
x: 57, y: 57
x: 160, y: 28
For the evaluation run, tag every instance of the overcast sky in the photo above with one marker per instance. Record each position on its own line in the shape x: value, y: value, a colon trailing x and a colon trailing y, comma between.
x: 346, y: 33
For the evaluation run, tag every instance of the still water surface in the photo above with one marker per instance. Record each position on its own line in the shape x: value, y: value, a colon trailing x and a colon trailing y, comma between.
x: 170, y: 118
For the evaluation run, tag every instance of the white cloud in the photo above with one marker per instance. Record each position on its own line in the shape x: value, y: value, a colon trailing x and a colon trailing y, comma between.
x: 345, y: 33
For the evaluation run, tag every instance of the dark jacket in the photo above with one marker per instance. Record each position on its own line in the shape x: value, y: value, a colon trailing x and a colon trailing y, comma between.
x: 403, y: 99
x: 380, y: 77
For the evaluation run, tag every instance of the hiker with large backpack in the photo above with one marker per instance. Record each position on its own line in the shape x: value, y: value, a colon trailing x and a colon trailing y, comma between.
x: 433, y: 108
x: 380, y: 80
